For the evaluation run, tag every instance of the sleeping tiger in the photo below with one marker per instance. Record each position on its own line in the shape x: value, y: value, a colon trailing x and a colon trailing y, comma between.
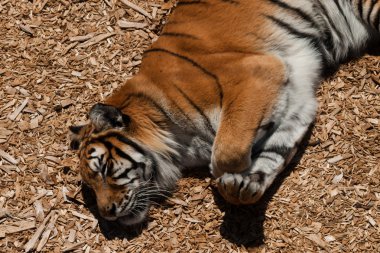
x: 230, y: 84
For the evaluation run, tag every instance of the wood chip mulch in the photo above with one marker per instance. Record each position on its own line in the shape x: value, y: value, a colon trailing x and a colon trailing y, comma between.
x: 57, y: 58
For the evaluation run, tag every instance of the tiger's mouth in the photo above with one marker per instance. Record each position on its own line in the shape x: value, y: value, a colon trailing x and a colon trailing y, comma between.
x: 133, y: 218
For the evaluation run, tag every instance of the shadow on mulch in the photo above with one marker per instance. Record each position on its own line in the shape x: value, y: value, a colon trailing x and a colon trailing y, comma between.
x: 242, y: 225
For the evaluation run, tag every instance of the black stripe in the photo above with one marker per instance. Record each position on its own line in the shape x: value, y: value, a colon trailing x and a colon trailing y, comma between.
x: 102, y: 168
x: 297, y: 11
x: 280, y: 150
x: 267, y: 157
x: 123, y: 207
x: 123, y: 175
x: 198, y: 109
x: 267, y: 126
x: 183, y: 3
x: 240, y: 185
x: 328, y: 41
x: 92, y: 157
x: 133, y: 180
x: 152, y: 102
x: 314, y: 40
x: 291, y: 29
x: 110, y: 167
x: 90, y: 151
x: 195, y: 64
x: 230, y: 1
x: 144, y: 96
x: 154, y: 167
x: 113, y: 210
x: 372, y: 4
x: 182, y: 35
x: 376, y: 22
x: 182, y: 112
x: 119, y: 137
x: 360, y: 8
x: 329, y: 20
x: 124, y: 155
x: 337, y: 3
x: 142, y: 166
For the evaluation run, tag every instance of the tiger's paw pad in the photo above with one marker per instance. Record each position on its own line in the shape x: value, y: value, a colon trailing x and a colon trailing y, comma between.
x: 241, y: 189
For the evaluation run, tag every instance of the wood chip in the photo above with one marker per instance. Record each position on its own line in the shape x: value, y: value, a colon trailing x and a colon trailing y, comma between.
x: 32, y: 243
x: 69, y: 47
x: 72, y: 247
x: 8, y: 157
x: 3, y: 213
x: 40, y: 6
x: 41, y: 194
x: 53, y: 159
x: 317, y: 239
x: 192, y: 220
x: 136, y: 8
x: 9, y: 104
x: 72, y: 236
x: 46, y: 233
x: 19, y: 109
x: 17, y: 227
x: 67, y: 102
x: 27, y: 29
x: 329, y: 238
x: 335, y: 159
x: 177, y: 201
x: 34, y: 123
x: 338, y: 158
x: 86, y: 217
x: 82, y: 37
x: 76, y: 73
x: 134, y: 25
x: 371, y: 220
x: 337, y: 178
x: 40, y: 214
x: 96, y: 39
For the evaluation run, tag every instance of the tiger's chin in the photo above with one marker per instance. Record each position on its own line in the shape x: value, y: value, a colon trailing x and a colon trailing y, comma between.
x: 133, y: 219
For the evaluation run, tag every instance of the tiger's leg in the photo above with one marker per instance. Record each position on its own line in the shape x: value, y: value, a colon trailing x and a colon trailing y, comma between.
x: 245, y: 104
x: 274, y: 155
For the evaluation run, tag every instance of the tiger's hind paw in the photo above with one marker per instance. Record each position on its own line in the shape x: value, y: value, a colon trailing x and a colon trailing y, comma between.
x: 240, y: 189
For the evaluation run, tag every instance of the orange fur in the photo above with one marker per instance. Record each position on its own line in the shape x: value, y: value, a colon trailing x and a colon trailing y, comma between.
x: 222, y: 69
x: 212, y: 79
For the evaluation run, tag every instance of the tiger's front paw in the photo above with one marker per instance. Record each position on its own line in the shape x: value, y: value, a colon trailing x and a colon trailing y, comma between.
x: 241, y: 189
x: 215, y: 171
x: 219, y: 166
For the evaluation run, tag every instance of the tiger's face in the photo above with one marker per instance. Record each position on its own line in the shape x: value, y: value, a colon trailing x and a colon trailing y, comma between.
x: 117, y: 168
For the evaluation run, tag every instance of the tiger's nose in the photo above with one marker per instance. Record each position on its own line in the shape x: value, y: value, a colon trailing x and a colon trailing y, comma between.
x: 108, y: 211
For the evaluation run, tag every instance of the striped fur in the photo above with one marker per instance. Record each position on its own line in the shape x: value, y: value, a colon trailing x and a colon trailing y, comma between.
x: 230, y: 83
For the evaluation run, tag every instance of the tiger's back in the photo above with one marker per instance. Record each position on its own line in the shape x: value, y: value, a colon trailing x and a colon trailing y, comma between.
x: 230, y: 83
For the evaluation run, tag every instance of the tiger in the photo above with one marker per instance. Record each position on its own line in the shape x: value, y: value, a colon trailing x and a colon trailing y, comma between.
x: 229, y: 85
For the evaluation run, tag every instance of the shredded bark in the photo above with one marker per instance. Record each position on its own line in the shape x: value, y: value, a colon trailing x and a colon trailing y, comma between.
x: 58, y: 58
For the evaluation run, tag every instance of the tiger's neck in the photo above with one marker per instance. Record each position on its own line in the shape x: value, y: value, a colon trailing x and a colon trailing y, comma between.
x: 151, y: 120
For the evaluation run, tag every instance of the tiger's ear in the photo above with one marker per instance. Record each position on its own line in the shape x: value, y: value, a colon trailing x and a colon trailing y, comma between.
x: 75, y: 136
x: 104, y: 117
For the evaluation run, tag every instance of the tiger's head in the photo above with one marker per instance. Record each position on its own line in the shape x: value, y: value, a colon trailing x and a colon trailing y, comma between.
x: 121, y: 170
